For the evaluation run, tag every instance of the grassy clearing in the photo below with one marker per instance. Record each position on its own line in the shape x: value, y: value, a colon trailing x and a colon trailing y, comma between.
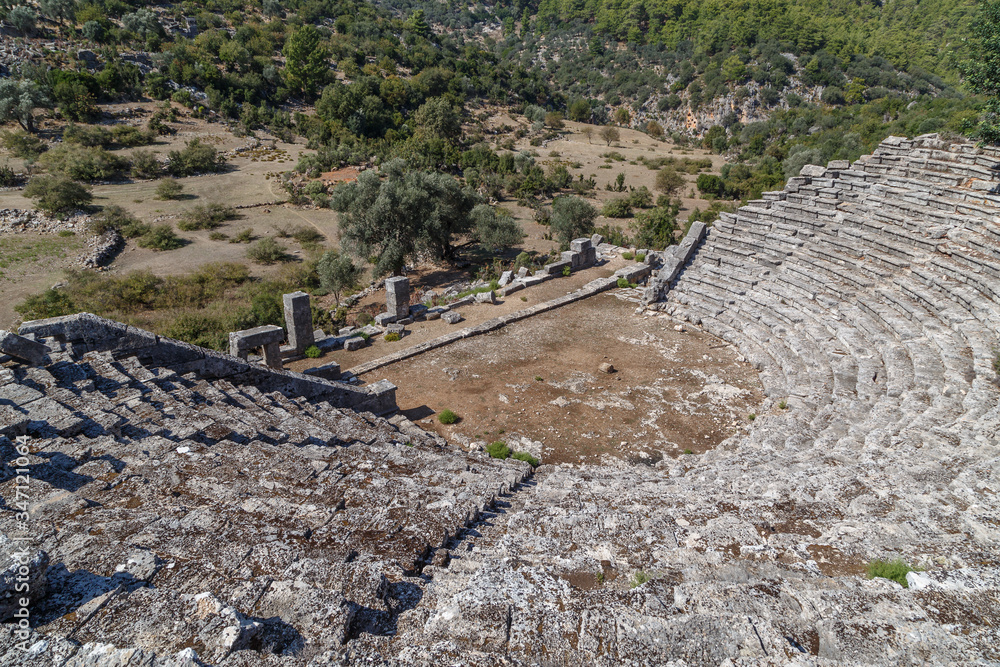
x: 19, y: 251
x: 201, y: 307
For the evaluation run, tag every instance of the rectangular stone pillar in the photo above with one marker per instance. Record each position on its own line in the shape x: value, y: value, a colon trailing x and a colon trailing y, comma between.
x: 272, y: 356
x: 298, y: 321
x: 397, y: 297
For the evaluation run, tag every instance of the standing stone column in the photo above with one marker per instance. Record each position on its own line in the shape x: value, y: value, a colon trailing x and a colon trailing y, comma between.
x: 298, y: 321
x: 272, y: 356
x: 397, y: 297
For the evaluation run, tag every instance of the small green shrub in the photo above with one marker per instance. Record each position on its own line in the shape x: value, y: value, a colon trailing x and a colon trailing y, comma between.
x: 267, y: 251
x: 57, y: 193
x: 624, y: 283
x: 392, y: 337
x: 524, y: 298
x: 567, y: 271
x: 23, y: 145
x: 206, y: 217
x: 447, y: 417
x: 752, y: 416
x: 783, y: 404
x: 689, y: 451
x: 307, y: 236
x: 498, y: 450
x: 8, y: 178
x: 527, y: 458
x: 312, y: 352
x: 627, y: 255
x: 116, y: 217
x: 539, y: 378
x: 365, y: 319
x: 617, y: 208
x: 894, y: 570
x: 168, y: 188
x: 145, y: 165
x: 195, y: 158
x: 244, y: 236
x: 161, y: 237
x: 638, y: 579
x: 640, y: 257
x: 84, y: 163
x: 217, y: 236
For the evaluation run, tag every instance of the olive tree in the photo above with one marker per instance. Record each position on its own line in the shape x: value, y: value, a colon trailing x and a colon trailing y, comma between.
x: 337, y: 273
x: 399, y: 214
x: 18, y: 101
x: 572, y: 218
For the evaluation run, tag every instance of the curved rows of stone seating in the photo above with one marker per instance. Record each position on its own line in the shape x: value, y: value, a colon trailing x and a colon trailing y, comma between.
x: 228, y: 490
x: 867, y: 299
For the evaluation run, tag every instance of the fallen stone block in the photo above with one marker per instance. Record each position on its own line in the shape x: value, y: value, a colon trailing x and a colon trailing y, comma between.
x: 418, y: 311
x: 329, y: 371
x: 596, y: 240
x: 522, y: 272
x: 505, y: 278
x: 355, y: 343
x: 513, y: 287
x: 22, y: 349
x: 464, y: 301
x: 382, y: 319
x: 486, y: 297
x: 451, y: 317
x: 580, y: 245
x: 395, y: 329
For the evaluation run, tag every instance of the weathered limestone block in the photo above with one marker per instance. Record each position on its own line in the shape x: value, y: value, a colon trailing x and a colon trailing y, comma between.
x: 451, y: 317
x: 384, y: 319
x: 395, y: 328
x: 505, y: 278
x: 241, y: 342
x: 555, y: 268
x: 298, y: 321
x: 22, y: 349
x: 812, y: 171
x: 329, y: 371
x: 355, y: 343
x: 522, y: 272
x: 397, y: 296
x: 486, y: 297
x: 513, y: 287
x: 573, y: 258
x: 596, y: 240
x: 580, y: 245
x: 272, y: 356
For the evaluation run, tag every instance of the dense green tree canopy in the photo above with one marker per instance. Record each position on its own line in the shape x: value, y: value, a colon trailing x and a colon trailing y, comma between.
x: 392, y: 216
x: 983, y: 72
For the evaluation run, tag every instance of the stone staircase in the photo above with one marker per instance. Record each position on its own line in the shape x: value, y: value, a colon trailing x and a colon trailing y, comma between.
x: 150, y: 488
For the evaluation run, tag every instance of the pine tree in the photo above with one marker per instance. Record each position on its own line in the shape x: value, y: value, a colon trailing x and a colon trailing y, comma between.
x: 306, y: 64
